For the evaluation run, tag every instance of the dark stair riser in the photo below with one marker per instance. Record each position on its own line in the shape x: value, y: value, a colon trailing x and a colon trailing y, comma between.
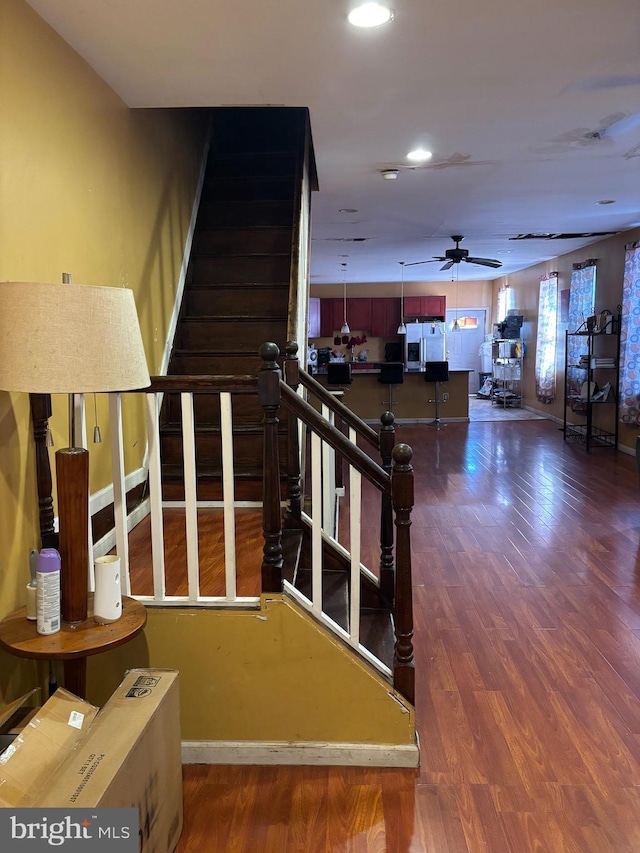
x: 206, y: 408
x: 241, y: 269
x: 226, y: 364
x: 247, y: 450
x: 236, y: 300
x: 233, y: 241
x: 335, y: 599
x: 226, y: 335
x: 256, y: 164
x: 255, y: 188
x: 239, y: 214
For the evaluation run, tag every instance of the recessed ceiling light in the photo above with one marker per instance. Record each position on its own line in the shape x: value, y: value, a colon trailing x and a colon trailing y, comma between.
x: 419, y: 155
x: 607, y: 201
x: 370, y: 15
x: 348, y: 210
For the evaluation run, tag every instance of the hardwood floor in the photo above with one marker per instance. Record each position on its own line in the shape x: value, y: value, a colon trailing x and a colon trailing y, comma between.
x: 527, y: 638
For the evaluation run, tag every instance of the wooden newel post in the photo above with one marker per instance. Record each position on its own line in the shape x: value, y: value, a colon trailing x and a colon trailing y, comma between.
x: 269, y: 398
x: 387, y: 442
x: 402, y: 494
x: 291, y: 377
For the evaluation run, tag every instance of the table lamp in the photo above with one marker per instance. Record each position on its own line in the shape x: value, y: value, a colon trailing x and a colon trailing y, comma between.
x: 70, y: 339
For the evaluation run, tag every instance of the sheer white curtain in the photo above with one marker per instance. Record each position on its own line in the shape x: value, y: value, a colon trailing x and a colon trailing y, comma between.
x: 630, y: 337
x: 545, y: 371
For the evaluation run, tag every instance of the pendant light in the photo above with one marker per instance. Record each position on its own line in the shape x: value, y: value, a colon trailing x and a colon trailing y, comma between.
x: 345, y: 330
x: 402, y: 329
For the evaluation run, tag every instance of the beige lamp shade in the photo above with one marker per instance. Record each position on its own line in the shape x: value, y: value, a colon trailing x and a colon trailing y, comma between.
x: 69, y: 338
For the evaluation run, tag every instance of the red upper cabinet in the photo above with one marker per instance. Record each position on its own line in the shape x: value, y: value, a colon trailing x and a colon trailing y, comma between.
x: 331, y: 317
x: 435, y: 306
x: 425, y: 306
x: 413, y: 306
x: 385, y: 317
x: 359, y: 314
x: 379, y: 318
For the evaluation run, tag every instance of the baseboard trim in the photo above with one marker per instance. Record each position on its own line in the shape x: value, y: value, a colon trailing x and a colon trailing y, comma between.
x: 305, y: 753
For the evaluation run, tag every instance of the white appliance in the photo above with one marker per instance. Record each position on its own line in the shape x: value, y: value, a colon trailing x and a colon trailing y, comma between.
x: 424, y: 342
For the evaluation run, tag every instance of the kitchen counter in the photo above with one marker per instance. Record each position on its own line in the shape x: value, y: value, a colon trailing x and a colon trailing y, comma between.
x: 411, y: 400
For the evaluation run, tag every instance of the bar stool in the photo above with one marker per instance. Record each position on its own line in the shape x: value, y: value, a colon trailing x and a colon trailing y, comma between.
x: 436, y: 372
x: 338, y: 374
x: 391, y: 373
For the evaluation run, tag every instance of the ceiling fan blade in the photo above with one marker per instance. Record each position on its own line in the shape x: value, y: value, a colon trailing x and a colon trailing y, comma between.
x: 484, y: 262
x: 447, y: 266
x: 415, y: 263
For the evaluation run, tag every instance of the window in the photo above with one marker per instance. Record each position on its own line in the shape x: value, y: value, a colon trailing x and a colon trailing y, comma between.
x: 505, y: 302
x: 582, y: 301
x: 630, y: 337
x: 545, y: 371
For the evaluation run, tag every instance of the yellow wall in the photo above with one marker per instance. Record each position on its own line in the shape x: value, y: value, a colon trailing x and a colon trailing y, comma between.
x: 271, y: 675
x: 526, y: 286
x: 92, y: 188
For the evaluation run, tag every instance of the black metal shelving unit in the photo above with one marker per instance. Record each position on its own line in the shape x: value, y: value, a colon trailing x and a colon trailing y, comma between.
x: 591, y: 388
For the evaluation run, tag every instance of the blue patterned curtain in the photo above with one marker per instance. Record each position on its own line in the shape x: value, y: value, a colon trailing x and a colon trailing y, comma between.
x: 582, y: 304
x: 546, y: 342
x: 630, y: 337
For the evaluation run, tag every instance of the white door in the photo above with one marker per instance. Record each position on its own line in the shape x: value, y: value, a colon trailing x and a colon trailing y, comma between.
x: 463, y: 346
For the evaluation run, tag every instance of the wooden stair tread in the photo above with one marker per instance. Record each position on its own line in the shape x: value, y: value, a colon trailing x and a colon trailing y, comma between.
x: 232, y: 318
x: 335, y: 598
x: 377, y: 635
x: 246, y: 428
x: 291, y: 548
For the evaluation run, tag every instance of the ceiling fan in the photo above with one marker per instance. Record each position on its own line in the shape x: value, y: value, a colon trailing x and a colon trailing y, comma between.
x: 455, y: 256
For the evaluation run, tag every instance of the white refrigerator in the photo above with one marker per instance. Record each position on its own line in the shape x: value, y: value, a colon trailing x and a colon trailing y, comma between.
x: 424, y: 342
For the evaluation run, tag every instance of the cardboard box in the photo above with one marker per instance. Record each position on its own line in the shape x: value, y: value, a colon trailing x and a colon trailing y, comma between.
x: 40, y: 745
x: 128, y: 754
x: 131, y: 756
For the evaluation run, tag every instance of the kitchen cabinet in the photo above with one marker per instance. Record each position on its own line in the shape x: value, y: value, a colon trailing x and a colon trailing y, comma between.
x: 379, y: 317
x: 331, y: 317
x: 425, y: 306
x: 359, y: 314
x: 385, y: 317
x: 314, y: 317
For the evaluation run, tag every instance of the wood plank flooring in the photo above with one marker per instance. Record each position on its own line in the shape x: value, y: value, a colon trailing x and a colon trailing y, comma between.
x: 527, y: 638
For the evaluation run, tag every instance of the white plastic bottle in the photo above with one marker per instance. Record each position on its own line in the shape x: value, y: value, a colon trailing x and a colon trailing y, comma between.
x: 48, y: 591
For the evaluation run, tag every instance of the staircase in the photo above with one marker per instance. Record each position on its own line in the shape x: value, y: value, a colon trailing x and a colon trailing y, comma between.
x: 238, y: 289
x: 375, y: 612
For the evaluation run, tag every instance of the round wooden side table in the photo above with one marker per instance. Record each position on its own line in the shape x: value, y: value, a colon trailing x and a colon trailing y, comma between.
x: 74, y: 642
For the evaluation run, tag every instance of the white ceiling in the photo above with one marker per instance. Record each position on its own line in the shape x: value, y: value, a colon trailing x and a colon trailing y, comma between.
x: 531, y: 110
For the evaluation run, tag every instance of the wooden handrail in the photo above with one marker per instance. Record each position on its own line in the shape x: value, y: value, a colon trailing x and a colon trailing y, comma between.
x: 338, y: 408
x: 203, y: 383
x: 356, y: 457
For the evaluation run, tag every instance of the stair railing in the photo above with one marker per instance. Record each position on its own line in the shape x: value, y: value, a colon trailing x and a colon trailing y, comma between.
x: 225, y: 387
x: 396, y: 483
x: 381, y: 443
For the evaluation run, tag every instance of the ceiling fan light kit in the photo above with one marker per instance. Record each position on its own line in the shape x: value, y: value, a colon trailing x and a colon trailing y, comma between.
x: 389, y: 174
